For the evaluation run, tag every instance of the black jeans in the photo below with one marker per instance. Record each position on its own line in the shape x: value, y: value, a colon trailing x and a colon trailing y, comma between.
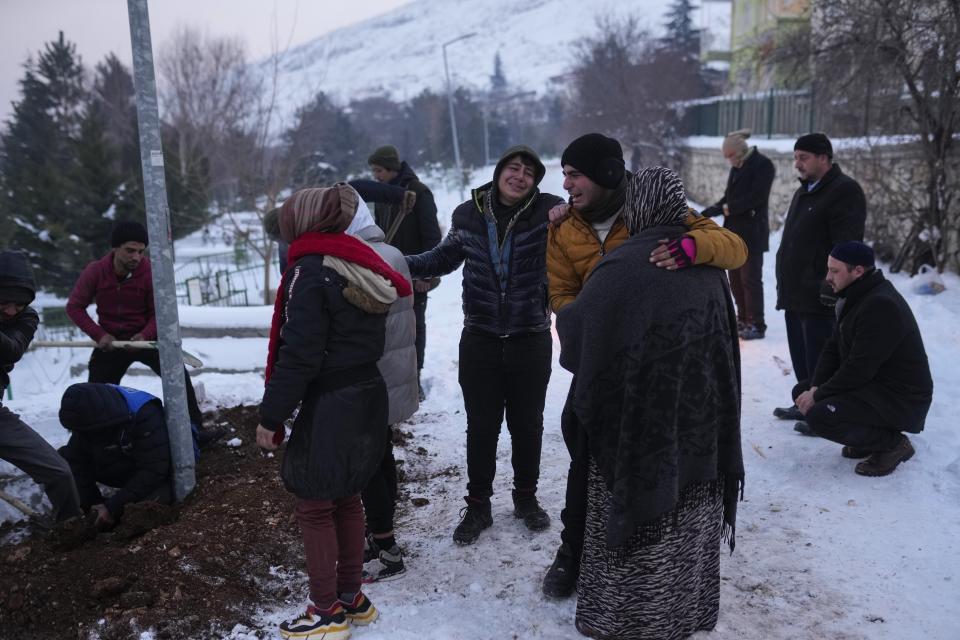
x: 806, y: 335
x: 847, y: 419
x: 380, y: 494
x: 574, y: 514
x: 420, y: 311
x: 497, y: 375
x: 110, y: 366
x: 746, y: 283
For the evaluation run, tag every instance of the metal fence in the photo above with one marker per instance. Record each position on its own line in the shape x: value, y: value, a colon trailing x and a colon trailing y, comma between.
x: 770, y: 113
x: 230, y: 279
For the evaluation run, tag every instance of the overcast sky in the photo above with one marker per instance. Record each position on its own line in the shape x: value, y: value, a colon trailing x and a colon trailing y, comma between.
x: 100, y: 26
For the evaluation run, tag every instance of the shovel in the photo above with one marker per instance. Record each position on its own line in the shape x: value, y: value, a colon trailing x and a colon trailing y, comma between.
x: 188, y: 357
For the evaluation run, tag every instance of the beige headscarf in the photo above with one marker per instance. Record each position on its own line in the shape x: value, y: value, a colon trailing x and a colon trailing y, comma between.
x: 324, y: 210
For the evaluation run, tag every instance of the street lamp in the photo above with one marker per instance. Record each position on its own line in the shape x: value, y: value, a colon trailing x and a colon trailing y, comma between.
x: 453, y: 118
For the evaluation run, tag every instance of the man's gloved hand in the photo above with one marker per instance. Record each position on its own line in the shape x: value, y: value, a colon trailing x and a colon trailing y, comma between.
x: 712, y: 212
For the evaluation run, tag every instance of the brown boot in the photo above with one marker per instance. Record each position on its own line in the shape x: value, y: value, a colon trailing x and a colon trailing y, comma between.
x: 855, y: 453
x: 881, y: 463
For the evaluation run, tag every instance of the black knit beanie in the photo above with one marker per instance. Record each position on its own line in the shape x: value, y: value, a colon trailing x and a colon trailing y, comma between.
x: 854, y: 253
x: 387, y: 157
x: 816, y: 143
x: 598, y: 157
x: 128, y: 231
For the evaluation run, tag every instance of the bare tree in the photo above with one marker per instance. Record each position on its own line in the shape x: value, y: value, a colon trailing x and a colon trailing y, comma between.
x: 208, y: 94
x: 892, y: 66
x: 623, y: 83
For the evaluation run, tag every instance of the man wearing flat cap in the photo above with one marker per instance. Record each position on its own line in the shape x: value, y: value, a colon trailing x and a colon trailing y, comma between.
x: 872, y: 381
x: 828, y: 208
x: 121, y: 284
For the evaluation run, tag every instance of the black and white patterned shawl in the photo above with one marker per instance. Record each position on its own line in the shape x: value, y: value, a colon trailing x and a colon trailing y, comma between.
x: 655, y: 196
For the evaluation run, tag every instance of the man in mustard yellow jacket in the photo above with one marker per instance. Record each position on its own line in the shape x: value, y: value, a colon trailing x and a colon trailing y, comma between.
x: 596, y: 180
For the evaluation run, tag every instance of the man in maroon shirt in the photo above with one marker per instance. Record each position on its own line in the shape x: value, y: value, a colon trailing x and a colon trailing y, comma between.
x: 122, y: 286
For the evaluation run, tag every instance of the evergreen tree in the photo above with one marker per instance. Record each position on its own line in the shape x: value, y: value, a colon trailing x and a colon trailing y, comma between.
x: 681, y: 35
x: 37, y: 163
x: 498, y: 81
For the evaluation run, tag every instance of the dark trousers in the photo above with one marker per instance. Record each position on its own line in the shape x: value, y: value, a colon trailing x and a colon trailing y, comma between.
x: 847, y: 419
x: 420, y: 310
x: 25, y: 449
x: 497, y: 375
x: 746, y: 283
x: 110, y: 367
x: 380, y: 494
x: 806, y: 335
x: 333, y: 543
x: 574, y: 514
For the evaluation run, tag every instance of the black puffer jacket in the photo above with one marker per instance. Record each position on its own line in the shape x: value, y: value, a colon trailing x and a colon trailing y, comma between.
x: 17, y: 332
x: 119, y: 438
x: 877, y: 354
x: 327, y: 363
x: 747, y: 197
x: 504, y: 284
x: 835, y: 211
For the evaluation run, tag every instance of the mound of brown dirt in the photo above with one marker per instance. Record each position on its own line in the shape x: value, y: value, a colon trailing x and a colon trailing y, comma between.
x: 194, y: 570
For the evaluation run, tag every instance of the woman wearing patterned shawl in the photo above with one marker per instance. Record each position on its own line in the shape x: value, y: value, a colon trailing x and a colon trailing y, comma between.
x: 657, y: 364
x: 325, y: 340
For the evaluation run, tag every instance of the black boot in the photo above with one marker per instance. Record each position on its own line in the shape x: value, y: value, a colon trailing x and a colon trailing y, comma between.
x: 561, y: 578
x: 788, y: 413
x: 476, y: 517
x: 526, y: 507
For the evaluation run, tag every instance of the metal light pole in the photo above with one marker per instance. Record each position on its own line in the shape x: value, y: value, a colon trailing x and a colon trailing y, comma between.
x: 453, y: 118
x: 161, y: 252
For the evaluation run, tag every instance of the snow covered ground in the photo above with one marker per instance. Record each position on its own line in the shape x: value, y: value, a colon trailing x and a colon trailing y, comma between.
x: 821, y: 552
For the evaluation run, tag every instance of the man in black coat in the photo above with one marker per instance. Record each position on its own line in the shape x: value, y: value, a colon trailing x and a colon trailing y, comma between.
x: 499, y: 236
x: 20, y: 445
x: 119, y: 438
x: 872, y: 381
x: 414, y: 232
x: 744, y: 207
x: 828, y: 208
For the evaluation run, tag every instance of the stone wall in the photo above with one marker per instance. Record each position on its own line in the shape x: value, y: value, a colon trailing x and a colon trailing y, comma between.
x: 893, y: 177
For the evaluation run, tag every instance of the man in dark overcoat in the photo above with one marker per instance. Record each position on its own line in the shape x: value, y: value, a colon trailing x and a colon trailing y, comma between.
x: 828, y: 208
x: 872, y: 381
x: 744, y: 207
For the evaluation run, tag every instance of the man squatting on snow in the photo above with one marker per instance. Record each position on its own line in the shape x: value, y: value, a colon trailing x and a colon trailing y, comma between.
x: 872, y: 381
x: 20, y: 445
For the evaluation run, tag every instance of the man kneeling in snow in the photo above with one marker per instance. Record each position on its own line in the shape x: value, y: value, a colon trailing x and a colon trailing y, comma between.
x: 872, y: 381
x: 119, y: 439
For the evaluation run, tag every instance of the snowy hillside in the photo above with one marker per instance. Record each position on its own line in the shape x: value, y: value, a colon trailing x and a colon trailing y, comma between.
x: 399, y: 53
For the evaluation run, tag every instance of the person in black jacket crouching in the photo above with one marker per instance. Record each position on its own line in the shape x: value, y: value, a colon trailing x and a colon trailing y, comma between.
x: 118, y: 438
x: 500, y: 236
x: 872, y: 381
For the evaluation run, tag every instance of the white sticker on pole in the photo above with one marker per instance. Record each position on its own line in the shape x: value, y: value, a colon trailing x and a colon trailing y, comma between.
x: 156, y: 158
